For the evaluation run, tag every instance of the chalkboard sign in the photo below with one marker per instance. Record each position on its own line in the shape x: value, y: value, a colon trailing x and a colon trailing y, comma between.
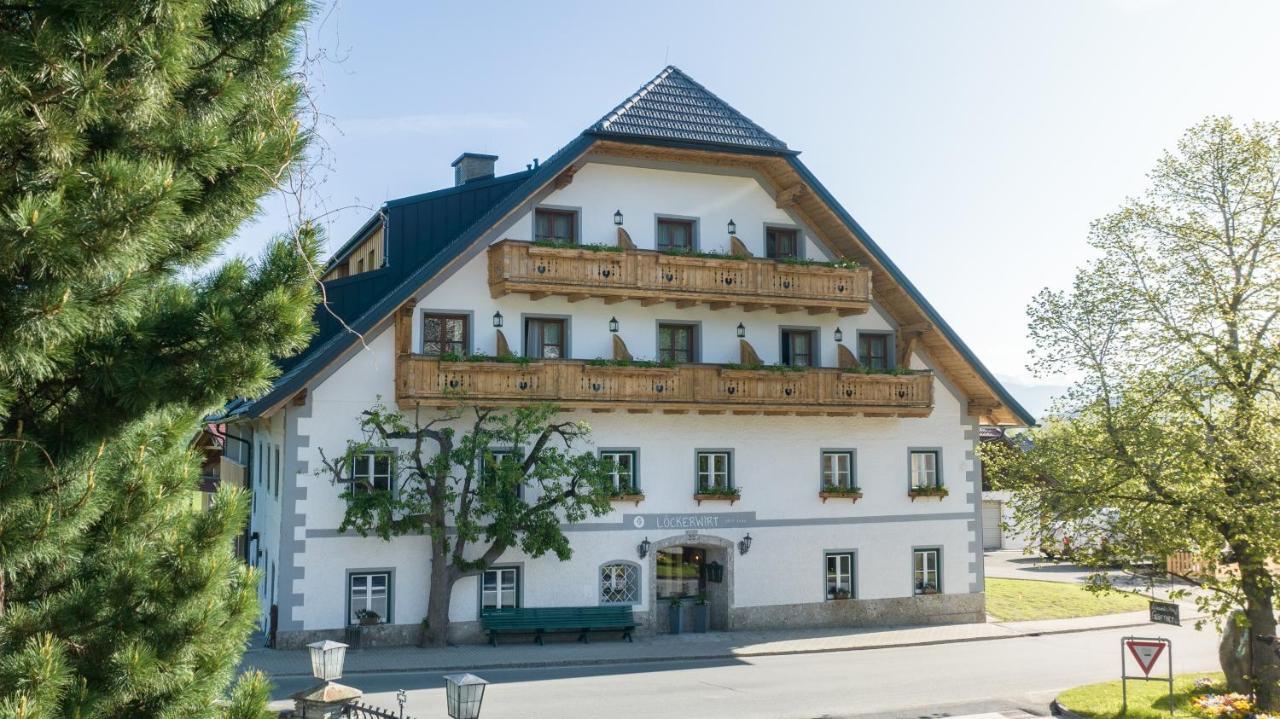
x: 1165, y: 613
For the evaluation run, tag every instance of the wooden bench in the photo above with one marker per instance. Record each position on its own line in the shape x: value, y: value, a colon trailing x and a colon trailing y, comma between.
x: 545, y: 620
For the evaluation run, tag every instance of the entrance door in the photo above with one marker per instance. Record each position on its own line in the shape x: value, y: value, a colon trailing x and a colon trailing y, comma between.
x: 991, y: 525
x: 680, y: 573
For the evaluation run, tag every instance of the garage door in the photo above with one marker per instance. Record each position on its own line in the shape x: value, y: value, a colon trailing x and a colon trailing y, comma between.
x: 990, y: 525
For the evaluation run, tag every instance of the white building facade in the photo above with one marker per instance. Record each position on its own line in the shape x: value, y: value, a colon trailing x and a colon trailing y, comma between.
x: 856, y: 494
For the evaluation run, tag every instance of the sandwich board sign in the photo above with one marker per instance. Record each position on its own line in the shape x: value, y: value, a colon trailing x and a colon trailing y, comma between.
x: 1146, y: 653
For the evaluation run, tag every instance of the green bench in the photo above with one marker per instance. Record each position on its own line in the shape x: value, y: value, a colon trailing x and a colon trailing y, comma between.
x: 545, y: 620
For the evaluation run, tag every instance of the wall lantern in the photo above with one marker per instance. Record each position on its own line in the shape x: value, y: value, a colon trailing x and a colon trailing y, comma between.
x: 839, y: 335
x: 613, y: 324
x: 463, y: 695
x: 744, y: 544
x: 497, y: 319
x: 326, y: 659
x: 733, y: 227
x: 643, y: 548
x: 742, y: 331
x: 617, y: 217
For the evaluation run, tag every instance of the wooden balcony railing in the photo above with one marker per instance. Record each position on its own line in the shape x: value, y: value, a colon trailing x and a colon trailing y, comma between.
x: 651, y: 277
x: 710, y: 389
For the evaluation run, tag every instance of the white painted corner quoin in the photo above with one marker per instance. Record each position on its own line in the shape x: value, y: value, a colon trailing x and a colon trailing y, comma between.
x: 791, y: 361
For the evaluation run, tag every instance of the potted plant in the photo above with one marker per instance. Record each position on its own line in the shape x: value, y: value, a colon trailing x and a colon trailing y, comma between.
x: 676, y: 615
x: 367, y: 617
x: 841, y: 594
x: 701, y: 614
x: 835, y: 491
x: 930, y: 491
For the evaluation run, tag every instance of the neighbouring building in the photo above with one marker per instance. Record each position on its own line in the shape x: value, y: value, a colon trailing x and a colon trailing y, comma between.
x: 726, y: 251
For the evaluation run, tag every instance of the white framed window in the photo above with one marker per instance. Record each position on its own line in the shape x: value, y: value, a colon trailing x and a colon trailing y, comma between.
x: 837, y: 470
x: 840, y: 568
x: 493, y: 459
x: 927, y: 577
x: 924, y: 469
x: 619, y: 583
x: 368, y: 592
x: 715, y: 470
x: 622, y: 473
x: 371, y: 472
x: 500, y: 588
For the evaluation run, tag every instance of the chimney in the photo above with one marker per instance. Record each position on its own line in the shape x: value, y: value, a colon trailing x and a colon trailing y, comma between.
x: 472, y: 166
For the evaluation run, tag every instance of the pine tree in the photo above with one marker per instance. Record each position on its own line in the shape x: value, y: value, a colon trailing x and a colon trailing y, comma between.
x: 135, y: 138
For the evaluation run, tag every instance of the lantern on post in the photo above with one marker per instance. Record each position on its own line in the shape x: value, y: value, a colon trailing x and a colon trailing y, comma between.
x: 463, y: 695
x: 327, y: 658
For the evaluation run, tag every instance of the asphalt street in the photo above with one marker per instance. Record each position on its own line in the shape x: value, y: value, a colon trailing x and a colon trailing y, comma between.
x: 922, y: 681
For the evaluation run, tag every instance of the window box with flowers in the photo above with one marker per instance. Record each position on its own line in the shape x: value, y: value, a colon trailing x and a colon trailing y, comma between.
x: 938, y: 492
x: 628, y: 494
x: 718, y: 494
x: 831, y: 491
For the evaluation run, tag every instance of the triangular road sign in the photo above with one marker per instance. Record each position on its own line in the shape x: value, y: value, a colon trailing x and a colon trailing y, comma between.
x: 1145, y: 652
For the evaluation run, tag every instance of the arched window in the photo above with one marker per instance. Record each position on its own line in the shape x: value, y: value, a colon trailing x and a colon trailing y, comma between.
x: 619, y: 583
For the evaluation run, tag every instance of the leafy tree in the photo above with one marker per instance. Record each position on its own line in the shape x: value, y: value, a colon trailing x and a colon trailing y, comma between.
x: 472, y: 504
x: 1170, y: 439
x: 135, y: 138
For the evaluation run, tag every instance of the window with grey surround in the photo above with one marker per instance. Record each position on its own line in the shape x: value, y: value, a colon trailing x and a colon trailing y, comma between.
x: 493, y: 461
x: 781, y: 243
x: 677, y: 343
x: 873, y: 351
x: 622, y: 470
x: 840, y: 575
x: 924, y: 469
x: 371, y: 472
x: 715, y: 471
x: 837, y: 470
x: 369, y: 592
x: 675, y: 235
x: 277, y: 471
x: 926, y: 576
x: 799, y: 348
x: 544, y: 338
x: 555, y: 225
x: 445, y: 334
x: 619, y: 583
x: 500, y: 588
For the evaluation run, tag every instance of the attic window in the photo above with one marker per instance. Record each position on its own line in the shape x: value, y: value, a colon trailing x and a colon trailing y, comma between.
x: 555, y: 226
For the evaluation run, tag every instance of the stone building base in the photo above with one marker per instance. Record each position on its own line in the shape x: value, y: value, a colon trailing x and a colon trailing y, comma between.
x: 852, y: 613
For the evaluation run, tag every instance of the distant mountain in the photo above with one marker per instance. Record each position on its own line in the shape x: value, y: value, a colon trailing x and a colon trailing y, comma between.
x: 1035, y: 397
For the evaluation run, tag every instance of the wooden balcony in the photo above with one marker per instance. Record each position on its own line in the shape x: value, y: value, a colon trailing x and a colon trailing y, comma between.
x: 701, y: 388
x: 653, y: 277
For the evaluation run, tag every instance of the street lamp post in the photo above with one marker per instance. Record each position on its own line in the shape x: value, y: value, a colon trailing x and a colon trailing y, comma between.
x: 328, y: 699
x: 327, y: 658
x: 463, y: 695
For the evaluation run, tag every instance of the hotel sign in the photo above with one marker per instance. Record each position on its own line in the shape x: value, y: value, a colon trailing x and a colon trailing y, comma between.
x: 693, y: 521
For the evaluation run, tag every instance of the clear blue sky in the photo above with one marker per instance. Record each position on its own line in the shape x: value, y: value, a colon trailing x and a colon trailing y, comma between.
x: 975, y: 141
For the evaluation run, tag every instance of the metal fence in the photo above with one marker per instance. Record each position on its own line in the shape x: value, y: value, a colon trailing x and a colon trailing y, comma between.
x: 356, y: 710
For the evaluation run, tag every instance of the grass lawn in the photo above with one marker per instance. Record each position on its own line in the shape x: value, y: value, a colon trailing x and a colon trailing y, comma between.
x: 1012, y: 600
x: 1147, y: 700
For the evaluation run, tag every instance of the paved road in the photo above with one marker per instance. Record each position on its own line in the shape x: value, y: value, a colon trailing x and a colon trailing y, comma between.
x: 907, y: 682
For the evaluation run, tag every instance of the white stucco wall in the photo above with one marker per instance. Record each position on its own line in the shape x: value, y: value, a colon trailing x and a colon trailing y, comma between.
x: 776, y: 459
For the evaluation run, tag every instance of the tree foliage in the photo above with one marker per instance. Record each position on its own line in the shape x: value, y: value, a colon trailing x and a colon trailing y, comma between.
x: 1170, y: 439
x: 451, y: 482
x: 135, y: 138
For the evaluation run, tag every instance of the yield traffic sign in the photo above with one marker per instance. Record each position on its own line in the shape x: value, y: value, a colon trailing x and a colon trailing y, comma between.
x: 1145, y: 652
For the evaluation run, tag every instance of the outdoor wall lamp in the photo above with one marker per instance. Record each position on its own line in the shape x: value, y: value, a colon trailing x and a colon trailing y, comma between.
x: 733, y: 227
x: 839, y: 335
x: 613, y: 324
x: 617, y: 217
x: 643, y: 548
x: 497, y: 319
x: 744, y: 544
x: 742, y: 331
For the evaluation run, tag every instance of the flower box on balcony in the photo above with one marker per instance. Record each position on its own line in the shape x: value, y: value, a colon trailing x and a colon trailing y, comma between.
x: 729, y: 496
x: 637, y: 498
x: 938, y: 492
x: 833, y: 493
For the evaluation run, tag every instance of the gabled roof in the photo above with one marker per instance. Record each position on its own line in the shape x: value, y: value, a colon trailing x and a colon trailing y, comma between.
x: 673, y: 107
x: 671, y: 113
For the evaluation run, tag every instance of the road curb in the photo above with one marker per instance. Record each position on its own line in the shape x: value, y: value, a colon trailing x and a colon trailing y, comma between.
x: 1056, y: 709
x: 473, y: 666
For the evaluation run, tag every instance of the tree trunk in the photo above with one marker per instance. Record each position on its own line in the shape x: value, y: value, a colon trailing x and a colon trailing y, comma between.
x: 1259, y: 608
x: 439, y: 593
